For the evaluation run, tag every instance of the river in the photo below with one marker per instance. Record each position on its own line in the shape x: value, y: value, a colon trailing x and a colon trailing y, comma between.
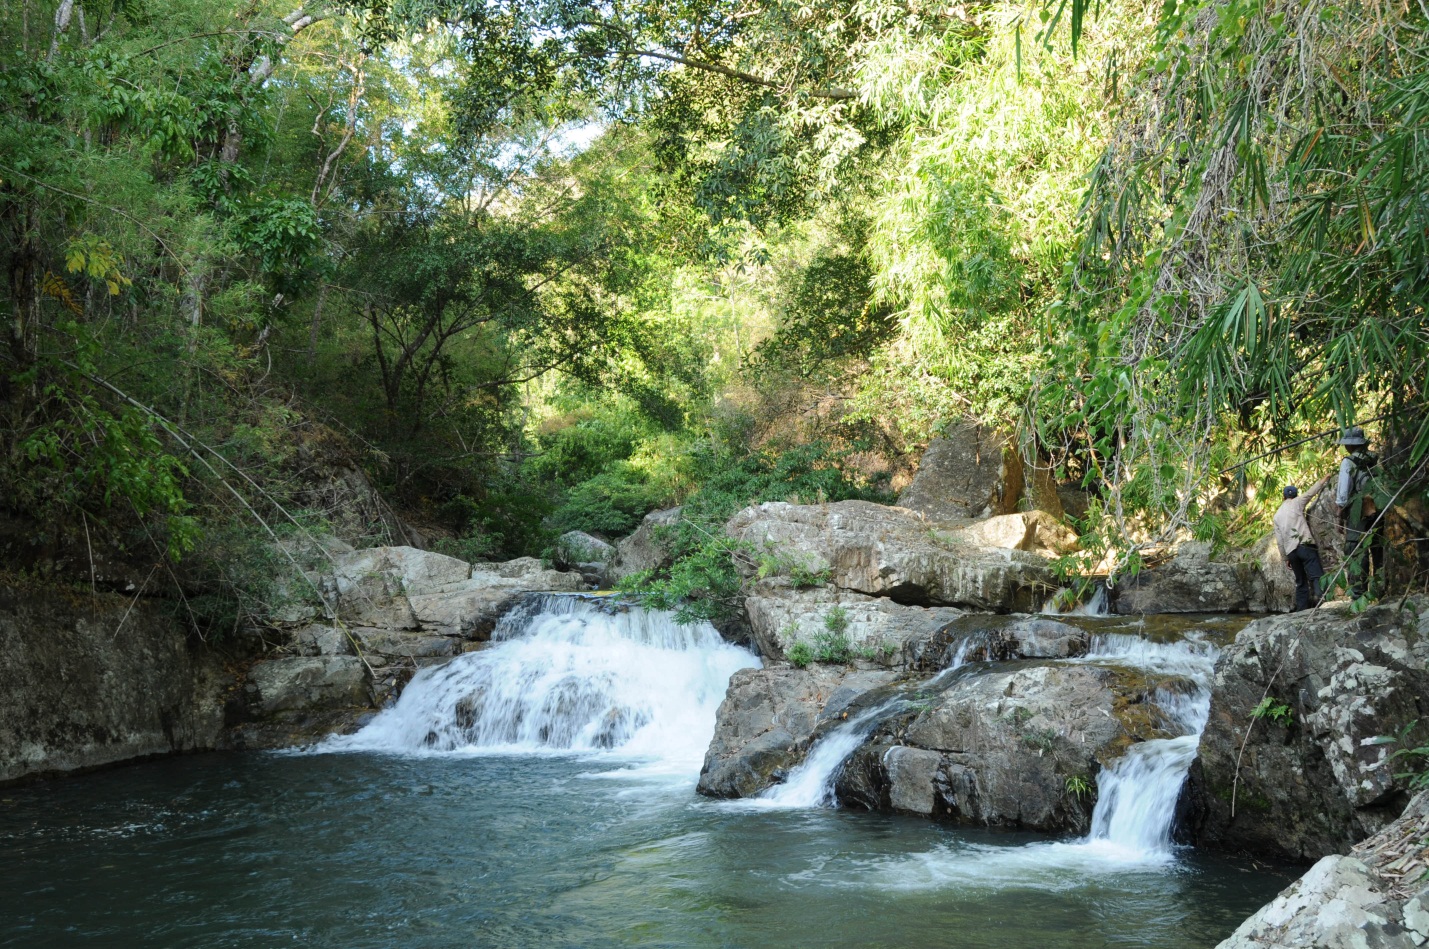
x: 570, y: 822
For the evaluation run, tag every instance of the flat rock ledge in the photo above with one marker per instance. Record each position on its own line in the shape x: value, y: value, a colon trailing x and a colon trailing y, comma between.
x: 1375, y: 897
x: 880, y: 551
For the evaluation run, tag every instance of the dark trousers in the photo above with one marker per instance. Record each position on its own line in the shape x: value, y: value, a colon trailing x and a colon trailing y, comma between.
x: 1305, y: 564
x: 1363, y: 550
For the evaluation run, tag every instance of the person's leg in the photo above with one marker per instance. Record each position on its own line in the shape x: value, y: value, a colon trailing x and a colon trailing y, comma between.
x: 1314, y: 571
x: 1302, y: 580
x: 1356, y: 550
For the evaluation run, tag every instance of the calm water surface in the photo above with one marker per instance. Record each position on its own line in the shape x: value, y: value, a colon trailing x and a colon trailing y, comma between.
x: 362, y: 849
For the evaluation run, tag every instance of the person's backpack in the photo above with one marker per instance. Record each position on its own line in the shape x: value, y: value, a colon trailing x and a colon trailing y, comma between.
x: 1362, y: 506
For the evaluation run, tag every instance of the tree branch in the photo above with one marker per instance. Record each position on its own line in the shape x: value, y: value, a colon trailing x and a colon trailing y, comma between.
x: 833, y: 92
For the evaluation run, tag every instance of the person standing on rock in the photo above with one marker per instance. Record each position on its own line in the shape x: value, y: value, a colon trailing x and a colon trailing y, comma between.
x: 1297, y: 544
x: 1358, y: 512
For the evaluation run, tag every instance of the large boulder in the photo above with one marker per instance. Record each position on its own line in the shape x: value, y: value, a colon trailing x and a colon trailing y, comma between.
x: 1018, y: 747
x: 402, y: 590
x: 1376, y: 897
x: 781, y: 614
x: 643, y: 550
x: 767, y: 720
x: 1194, y: 582
x: 1316, y: 776
x: 890, y: 552
x: 1035, y: 531
x: 972, y: 471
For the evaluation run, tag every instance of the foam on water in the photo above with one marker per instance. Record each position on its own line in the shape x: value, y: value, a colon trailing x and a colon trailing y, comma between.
x: 569, y: 674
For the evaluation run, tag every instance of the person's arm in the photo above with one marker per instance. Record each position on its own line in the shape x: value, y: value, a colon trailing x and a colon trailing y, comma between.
x: 1319, y: 486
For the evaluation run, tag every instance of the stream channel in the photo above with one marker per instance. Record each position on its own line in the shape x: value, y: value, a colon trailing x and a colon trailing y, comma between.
x: 540, y: 792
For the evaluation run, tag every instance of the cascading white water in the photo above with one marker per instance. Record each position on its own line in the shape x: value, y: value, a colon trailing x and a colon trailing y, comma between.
x: 568, y: 673
x: 1137, y: 793
x: 811, y: 784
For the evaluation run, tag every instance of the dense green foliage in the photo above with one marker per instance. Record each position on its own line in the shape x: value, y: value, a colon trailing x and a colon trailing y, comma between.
x: 533, y: 266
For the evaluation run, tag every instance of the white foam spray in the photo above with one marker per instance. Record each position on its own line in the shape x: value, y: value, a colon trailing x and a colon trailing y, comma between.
x: 568, y: 674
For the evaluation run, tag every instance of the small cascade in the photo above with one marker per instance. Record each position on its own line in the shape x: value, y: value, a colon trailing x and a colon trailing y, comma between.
x: 1096, y: 606
x: 1137, y: 793
x: 811, y: 784
x: 568, y: 673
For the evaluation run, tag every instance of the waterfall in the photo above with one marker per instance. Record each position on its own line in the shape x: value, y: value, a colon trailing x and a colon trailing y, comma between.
x: 811, y: 784
x: 568, y: 673
x: 1137, y: 793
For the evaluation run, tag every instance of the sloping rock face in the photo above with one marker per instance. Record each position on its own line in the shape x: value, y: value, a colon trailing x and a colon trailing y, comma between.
x: 1191, y: 582
x: 1374, y: 898
x: 890, y: 552
x: 95, y: 680
x: 767, y: 720
x: 642, y: 550
x: 780, y: 615
x: 1000, y: 748
x: 971, y: 472
x: 1319, y: 779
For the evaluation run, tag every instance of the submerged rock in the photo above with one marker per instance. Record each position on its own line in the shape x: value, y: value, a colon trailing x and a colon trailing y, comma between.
x: 1376, y: 897
x: 885, y: 551
x: 1315, y: 775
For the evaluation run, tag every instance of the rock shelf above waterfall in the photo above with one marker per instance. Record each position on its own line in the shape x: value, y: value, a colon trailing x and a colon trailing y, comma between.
x: 880, y: 551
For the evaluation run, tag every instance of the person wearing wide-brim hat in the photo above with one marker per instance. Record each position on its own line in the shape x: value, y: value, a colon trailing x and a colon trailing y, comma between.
x: 1358, y: 512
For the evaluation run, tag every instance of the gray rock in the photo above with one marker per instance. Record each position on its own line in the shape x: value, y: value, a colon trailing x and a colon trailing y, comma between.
x: 1192, y: 582
x: 998, y: 748
x: 886, y: 551
x: 321, y: 640
x: 310, y: 682
x: 1323, y: 780
x: 767, y: 719
x: 971, y: 472
x: 90, y: 680
x: 642, y: 550
x: 581, y: 547
x: 1035, y: 531
x: 1364, y: 900
x: 397, y: 644
x: 981, y: 637
x: 780, y: 614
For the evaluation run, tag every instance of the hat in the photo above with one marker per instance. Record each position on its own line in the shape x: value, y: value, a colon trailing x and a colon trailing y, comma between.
x: 1354, y: 435
x: 1290, y: 491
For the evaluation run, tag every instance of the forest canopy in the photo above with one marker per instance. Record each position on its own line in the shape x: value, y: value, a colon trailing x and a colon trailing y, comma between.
x: 531, y: 266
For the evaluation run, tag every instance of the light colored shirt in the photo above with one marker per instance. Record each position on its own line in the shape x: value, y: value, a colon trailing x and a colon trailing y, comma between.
x: 1291, y: 528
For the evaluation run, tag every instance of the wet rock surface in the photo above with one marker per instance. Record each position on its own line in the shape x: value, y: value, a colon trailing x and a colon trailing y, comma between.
x: 767, y: 719
x: 398, y: 609
x: 1314, y: 775
x: 1016, y: 747
x: 1375, y: 897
